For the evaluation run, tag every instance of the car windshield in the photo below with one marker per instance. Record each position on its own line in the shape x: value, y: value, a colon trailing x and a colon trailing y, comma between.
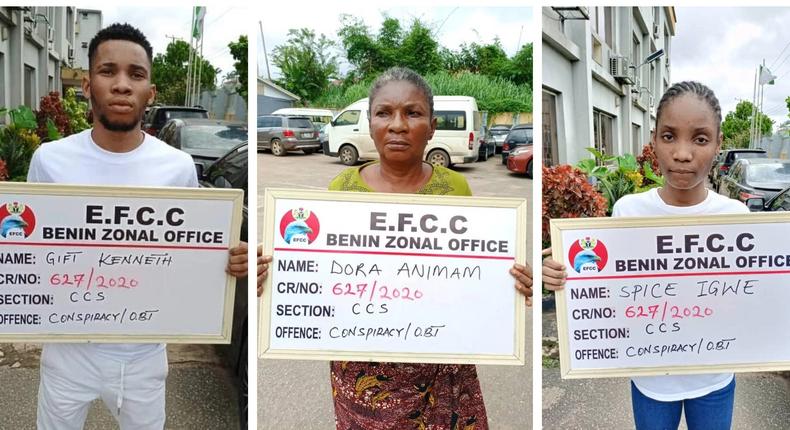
x: 739, y: 155
x: 185, y: 114
x: 774, y: 172
x: 299, y: 123
x: 212, y: 136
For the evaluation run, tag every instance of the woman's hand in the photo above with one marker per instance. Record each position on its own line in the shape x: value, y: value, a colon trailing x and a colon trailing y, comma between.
x: 554, y: 273
x: 237, y: 261
x: 523, y: 275
x: 263, y: 268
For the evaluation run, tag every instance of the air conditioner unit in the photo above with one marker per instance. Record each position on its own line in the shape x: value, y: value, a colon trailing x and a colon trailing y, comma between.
x: 621, y: 70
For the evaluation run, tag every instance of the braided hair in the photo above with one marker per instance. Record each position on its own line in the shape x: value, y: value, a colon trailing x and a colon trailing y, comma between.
x: 690, y: 87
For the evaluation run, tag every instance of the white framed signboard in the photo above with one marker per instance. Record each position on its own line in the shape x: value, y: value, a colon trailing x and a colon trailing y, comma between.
x: 392, y: 277
x: 673, y: 295
x: 116, y: 264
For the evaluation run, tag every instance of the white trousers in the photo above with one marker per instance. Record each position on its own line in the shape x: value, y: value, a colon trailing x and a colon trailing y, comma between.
x: 72, y: 377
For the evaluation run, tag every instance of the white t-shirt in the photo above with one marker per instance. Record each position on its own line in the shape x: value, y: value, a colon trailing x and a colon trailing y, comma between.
x: 77, y: 159
x: 677, y: 387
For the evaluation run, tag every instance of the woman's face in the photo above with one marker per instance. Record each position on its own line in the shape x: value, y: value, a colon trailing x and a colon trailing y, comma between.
x: 400, y: 123
x: 686, y: 140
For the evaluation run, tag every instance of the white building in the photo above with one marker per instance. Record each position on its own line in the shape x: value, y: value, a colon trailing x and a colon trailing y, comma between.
x: 89, y: 22
x: 35, y: 43
x: 601, y: 84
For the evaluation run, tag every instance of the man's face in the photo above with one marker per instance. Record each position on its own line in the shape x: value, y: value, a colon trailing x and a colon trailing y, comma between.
x: 119, y: 85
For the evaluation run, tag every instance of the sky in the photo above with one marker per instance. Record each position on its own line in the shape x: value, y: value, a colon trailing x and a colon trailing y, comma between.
x: 222, y: 25
x: 722, y: 47
x: 453, y: 25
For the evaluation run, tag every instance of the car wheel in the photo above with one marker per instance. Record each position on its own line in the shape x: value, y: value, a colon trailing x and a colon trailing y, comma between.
x: 438, y: 157
x: 529, y: 169
x: 308, y: 151
x: 483, y: 157
x: 277, y: 148
x: 348, y: 155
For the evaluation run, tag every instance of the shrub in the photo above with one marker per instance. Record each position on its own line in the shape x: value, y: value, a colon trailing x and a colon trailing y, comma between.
x: 649, y: 156
x: 618, y: 176
x: 16, y: 149
x: 76, y: 110
x: 567, y: 194
x: 53, y: 122
x: 3, y: 171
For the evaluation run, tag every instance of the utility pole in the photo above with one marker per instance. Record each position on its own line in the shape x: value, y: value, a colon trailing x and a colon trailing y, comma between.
x: 265, y: 55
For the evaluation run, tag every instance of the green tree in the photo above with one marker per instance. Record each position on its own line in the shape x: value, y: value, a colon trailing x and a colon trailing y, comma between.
x: 521, y: 66
x: 305, y: 63
x: 370, y: 54
x: 736, y: 124
x: 238, y: 50
x: 170, y: 73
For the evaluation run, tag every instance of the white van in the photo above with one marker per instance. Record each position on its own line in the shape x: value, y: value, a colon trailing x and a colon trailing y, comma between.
x: 454, y: 142
x: 319, y: 117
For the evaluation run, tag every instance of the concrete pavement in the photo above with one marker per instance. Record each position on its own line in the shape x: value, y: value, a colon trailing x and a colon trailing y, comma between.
x: 201, y: 393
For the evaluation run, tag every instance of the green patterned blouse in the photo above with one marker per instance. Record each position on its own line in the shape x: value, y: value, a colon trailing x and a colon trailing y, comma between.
x: 443, y: 181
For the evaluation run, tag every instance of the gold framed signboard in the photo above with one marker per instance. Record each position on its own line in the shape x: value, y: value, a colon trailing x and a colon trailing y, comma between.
x: 673, y: 295
x: 392, y: 277
x: 116, y: 264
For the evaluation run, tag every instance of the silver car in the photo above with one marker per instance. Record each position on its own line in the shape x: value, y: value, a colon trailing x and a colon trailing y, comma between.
x: 281, y: 134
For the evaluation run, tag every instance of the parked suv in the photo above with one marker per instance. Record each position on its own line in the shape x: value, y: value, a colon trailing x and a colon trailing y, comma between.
x: 281, y: 134
x: 158, y: 116
x: 519, y: 135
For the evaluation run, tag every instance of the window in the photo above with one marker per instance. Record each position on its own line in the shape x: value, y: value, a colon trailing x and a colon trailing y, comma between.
x: 603, y: 24
x: 450, y: 120
x: 349, y: 117
x: 636, y: 139
x: 30, y: 90
x: 602, y: 132
x: 550, y: 149
x: 636, y: 58
x: 781, y: 203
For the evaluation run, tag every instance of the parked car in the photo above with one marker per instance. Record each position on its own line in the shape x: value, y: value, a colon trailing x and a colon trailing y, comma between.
x: 729, y: 157
x: 519, y: 135
x: 779, y: 203
x: 714, y: 166
x: 281, y: 134
x: 455, y: 140
x: 756, y: 177
x: 500, y: 131
x: 520, y: 160
x: 205, y: 140
x: 319, y: 117
x: 158, y: 116
x: 487, y: 146
x: 230, y: 171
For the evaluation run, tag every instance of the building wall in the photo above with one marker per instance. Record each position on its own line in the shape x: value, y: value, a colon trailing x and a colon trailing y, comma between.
x: 34, y: 46
x: 576, y: 71
x: 88, y: 23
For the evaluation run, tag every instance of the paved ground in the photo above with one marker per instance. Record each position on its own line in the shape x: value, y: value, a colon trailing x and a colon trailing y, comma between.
x: 297, y: 395
x: 762, y: 400
x: 201, y: 393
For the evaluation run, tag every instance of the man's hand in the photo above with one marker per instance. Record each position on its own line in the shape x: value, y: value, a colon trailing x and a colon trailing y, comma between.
x: 263, y: 268
x: 237, y: 261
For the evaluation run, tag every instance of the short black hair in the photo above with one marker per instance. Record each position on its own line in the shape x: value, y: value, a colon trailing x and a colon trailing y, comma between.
x: 401, y: 74
x: 119, y: 31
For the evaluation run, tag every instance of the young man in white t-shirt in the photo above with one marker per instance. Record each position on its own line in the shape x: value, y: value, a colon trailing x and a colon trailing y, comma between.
x: 129, y: 378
